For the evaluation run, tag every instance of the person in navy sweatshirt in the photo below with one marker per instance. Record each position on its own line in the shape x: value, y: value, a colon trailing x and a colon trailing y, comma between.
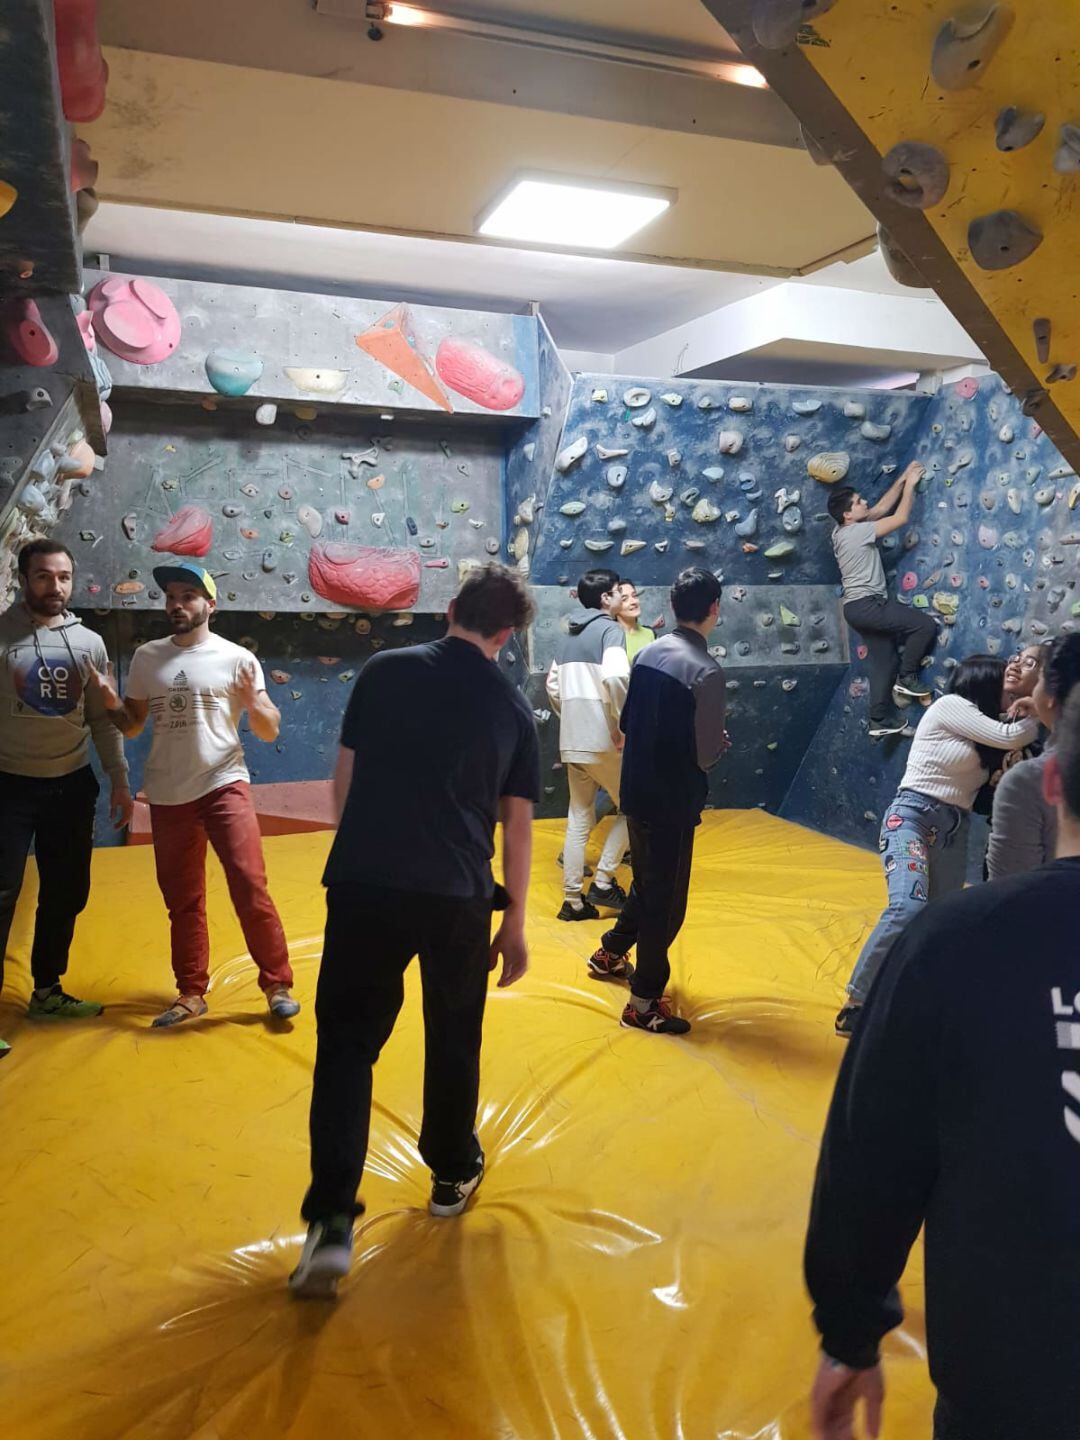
x: 957, y: 1107
x: 673, y: 721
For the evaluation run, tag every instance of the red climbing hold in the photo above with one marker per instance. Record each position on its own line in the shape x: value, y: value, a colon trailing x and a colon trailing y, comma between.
x: 478, y: 375
x: 83, y: 71
x: 27, y: 334
x: 365, y: 576
x: 189, y: 532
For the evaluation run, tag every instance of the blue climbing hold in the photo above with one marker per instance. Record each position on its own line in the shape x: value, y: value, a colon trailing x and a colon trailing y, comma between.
x: 233, y: 372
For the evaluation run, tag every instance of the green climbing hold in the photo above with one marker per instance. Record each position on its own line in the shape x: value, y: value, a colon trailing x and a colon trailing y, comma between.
x: 788, y: 617
x: 1076, y: 608
x: 921, y: 602
x: 780, y: 551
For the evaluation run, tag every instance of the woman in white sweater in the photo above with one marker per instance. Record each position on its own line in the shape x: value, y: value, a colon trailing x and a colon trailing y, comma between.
x: 924, y: 833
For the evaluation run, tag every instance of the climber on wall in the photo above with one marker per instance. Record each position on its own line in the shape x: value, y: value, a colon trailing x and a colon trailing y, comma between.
x: 48, y: 714
x: 882, y: 623
x: 436, y: 746
x: 586, y: 685
x: 193, y: 686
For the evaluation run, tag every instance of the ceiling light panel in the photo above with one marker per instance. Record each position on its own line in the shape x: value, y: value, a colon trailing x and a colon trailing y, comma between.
x: 572, y: 213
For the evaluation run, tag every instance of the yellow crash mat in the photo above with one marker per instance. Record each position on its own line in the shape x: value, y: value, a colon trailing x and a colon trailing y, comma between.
x: 630, y: 1270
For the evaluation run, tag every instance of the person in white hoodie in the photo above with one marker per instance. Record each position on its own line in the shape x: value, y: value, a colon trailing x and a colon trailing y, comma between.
x: 924, y: 832
x: 587, y: 686
x: 49, y: 712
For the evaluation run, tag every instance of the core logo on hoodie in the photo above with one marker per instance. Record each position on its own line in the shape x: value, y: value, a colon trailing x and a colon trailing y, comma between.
x: 48, y: 688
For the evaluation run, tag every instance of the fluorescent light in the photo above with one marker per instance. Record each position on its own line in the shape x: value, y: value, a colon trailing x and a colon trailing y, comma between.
x: 572, y: 213
x: 409, y: 15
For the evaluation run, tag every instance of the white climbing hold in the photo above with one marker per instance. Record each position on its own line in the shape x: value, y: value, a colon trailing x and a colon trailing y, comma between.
x: 572, y: 507
x: 730, y: 442
x: 616, y: 476
x: 806, y: 407
x: 792, y: 443
x: 603, y: 453
x: 645, y: 420
x: 1016, y: 501
x: 672, y: 398
x: 519, y: 546
x: 854, y: 409
x: 1061, y: 472
x: 1006, y: 434
x: 870, y: 431
x: 674, y: 458
x: 660, y: 546
x: 571, y: 455
x: 631, y: 547
x: 527, y: 510
x: 599, y: 397
x: 266, y: 413
x: 966, y: 43
x: 705, y: 512
x: 706, y: 402
x: 598, y: 546
x: 529, y: 450
x: 828, y: 466
x: 660, y: 494
x: 714, y: 473
x: 311, y: 519
x: 636, y: 397
x: 785, y: 497
x: 740, y: 404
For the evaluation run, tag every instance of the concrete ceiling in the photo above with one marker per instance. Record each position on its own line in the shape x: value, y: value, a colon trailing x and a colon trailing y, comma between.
x: 269, y: 108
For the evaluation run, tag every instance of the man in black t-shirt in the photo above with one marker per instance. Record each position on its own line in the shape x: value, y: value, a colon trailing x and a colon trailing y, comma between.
x: 958, y: 1106
x: 436, y: 746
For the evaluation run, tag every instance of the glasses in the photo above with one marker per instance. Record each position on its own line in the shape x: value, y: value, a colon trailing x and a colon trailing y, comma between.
x: 1026, y: 662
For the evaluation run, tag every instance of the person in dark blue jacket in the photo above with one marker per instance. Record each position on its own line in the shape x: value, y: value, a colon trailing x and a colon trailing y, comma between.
x: 673, y: 721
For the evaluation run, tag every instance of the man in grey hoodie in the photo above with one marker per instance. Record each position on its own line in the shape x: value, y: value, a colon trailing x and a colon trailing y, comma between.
x: 587, y: 686
x: 48, y: 715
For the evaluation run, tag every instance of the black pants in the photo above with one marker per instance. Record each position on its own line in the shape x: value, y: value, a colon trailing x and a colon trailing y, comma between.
x: 655, y: 909
x: 372, y: 935
x: 885, y: 625
x: 57, y: 817
x: 948, y: 1426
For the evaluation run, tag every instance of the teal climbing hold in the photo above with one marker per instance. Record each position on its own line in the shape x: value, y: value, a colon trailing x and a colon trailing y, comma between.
x: 233, y: 372
x: 780, y: 551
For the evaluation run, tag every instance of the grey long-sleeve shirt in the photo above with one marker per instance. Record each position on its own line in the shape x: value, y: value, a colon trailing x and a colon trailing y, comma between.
x: 1023, y: 831
x: 47, y: 713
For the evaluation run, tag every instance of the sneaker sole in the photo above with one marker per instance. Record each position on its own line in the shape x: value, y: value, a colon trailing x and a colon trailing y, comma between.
x: 576, y: 917
x: 448, y: 1212
x: 644, y: 1029
x: 320, y: 1280
x: 289, y: 1014
x: 61, y: 1019
x: 884, y: 734
x: 913, y: 694
x: 598, y: 974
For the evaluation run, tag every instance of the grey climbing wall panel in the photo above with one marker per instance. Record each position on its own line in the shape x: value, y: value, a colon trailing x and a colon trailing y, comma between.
x: 531, y: 457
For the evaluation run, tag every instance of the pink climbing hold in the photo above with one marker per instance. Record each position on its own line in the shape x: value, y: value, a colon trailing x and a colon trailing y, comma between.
x: 27, y: 334
x: 189, y: 532
x: 365, y: 576
x: 135, y: 319
x: 474, y: 372
x: 862, y: 652
x: 1036, y: 430
x: 83, y: 71
x: 909, y: 581
x: 967, y: 388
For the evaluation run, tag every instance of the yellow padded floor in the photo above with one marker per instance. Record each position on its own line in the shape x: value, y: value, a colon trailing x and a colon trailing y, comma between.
x: 630, y: 1270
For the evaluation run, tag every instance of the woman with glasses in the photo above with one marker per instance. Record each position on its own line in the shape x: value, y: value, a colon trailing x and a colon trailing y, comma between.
x: 1024, y: 830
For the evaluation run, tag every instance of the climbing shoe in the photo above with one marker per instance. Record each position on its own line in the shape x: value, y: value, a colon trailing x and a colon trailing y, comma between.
x: 324, y: 1260
x: 846, y: 1021
x: 281, y: 1003
x: 657, y: 1019
x: 913, y: 687
x: 603, y: 965
x: 58, y: 1005
x: 184, y: 1007
x: 610, y: 897
x: 449, y: 1197
x: 890, y: 725
x: 583, y: 911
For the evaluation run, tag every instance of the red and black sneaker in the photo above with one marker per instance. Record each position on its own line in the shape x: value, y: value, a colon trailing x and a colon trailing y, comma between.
x: 657, y: 1019
x: 603, y: 965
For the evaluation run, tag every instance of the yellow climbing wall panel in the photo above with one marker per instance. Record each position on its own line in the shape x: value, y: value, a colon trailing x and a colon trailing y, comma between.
x: 876, y: 61
x: 631, y: 1269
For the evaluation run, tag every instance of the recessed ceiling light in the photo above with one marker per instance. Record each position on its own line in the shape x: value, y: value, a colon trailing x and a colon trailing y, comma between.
x: 570, y: 212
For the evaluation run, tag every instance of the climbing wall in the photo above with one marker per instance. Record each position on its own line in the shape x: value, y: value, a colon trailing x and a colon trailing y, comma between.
x: 991, y: 552
x: 531, y: 457
x: 959, y: 126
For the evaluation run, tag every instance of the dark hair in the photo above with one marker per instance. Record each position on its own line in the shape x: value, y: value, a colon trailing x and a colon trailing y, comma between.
x: 627, y: 581
x: 1067, y: 752
x: 694, y: 593
x: 980, y: 679
x: 1061, y: 667
x: 41, y: 547
x: 840, y: 502
x: 594, y: 585
x: 493, y: 598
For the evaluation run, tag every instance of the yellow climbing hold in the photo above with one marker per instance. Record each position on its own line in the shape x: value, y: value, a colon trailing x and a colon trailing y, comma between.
x: 8, y: 196
x: 946, y: 604
x: 1074, y: 495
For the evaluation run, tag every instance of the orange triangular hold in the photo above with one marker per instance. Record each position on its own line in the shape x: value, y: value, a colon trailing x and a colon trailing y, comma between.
x: 392, y: 343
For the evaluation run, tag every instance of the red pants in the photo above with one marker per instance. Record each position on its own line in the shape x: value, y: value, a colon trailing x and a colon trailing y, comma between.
x: 226, y: 818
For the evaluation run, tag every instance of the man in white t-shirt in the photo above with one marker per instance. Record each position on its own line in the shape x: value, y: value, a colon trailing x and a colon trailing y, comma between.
x: 194, y: 686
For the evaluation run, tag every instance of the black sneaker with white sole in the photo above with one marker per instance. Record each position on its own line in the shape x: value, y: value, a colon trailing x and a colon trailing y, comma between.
x: 913, y: 688
x: 657, y: 1019
x: 583, y: 911
x: 324, y: 1260
x: 609, y: 897
x: 846, y: 1021
x: 449, y: 1197
x: 890, y: 725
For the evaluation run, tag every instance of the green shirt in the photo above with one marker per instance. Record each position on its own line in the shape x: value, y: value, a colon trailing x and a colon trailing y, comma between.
x: 637, y: 640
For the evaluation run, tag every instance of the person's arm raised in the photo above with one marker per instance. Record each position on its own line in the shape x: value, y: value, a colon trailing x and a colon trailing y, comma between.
x: 910, y: 478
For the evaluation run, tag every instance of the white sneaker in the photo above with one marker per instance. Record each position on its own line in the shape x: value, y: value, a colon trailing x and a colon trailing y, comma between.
x: 449, y: 1197
x: 324, y: 1260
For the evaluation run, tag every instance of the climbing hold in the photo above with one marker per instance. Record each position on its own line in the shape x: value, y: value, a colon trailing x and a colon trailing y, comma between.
x: 637, y: 397
x: 988, y: 537
x: 616, y: 476
x: 1015, y: 501
x: 828, y: 466
x: 792, y: 443
x: 788, y: 685
x: 1061, y: 372
x: 8, y: 196
x: 788, y: 617
x: 528, y: 450
x: 854, y: 409
x: 599, y: 546
x: 471, y: 371
x: 134, y: 319
x: 792, y: 520
x: 1042, y: 330
x: 1002, y: 239
x: 427, y: 543
x: 599, y: 397
x: 743, y: 647
x: 902, y: 270
x: 789, y: 647
x: 705, y: 512
x: 1074, y: 496
x: 670, y: 397
x: 269, y: 561
x: 266, y: 414
x: 786, y: 498
x: 777, y: 22
x: 631, y: 547
x: 660, y: 546
x: 230, y: 511
x: 316, y: 382
x: 730, y: 442
x: 694, y: 544
x: 458, y: 507
x: 571, y: 455
x: 27, y: 334
x: 378, y: 519
x: 616, y: 526
x: 674, y: 458
x: 603, y: 453
x: 189, y: 532
x: 519, y: 546
x: 806, y: 407
x: 232, y: 372
x: 491, y: 545
x: 740, y: 404
x: 748, y: 527
x: 1006, y: 434
x: 917, y: 175
x: 945, y: 604
x: 731, y: 516
x: 365, y: 577
x: 966, y: 44
x: 572, y: 507
x: 645, y: 420
x: 870, y: 431
x: 689, y: 496
x: 410, y: 524
x: 526, y: 512
x: 909, y: 581
x: 128, y: 587
x: 1017, y: 128
x: 1045, y: 496
x: 714, y: 473
x: 1067, y: 155
x: 706, y: 402
x: 129, y: 525
x: 780, y: 551
x: 660, y: 494
x: 564, y: 544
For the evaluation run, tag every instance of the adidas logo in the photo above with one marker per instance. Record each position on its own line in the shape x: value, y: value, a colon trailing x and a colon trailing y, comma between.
x: 179, y: 680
